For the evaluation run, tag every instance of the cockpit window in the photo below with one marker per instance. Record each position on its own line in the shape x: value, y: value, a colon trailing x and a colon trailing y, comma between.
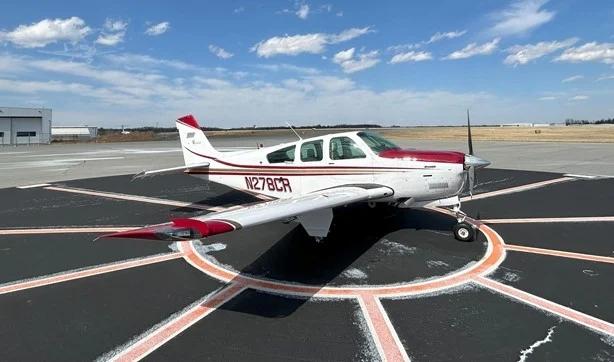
x: 282, y: 155
x: 311, y: 151
x: 343, y: 148
x: 376, y: 142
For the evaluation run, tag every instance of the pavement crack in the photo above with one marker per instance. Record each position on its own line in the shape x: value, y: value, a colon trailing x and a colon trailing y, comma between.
x: 526, y: 352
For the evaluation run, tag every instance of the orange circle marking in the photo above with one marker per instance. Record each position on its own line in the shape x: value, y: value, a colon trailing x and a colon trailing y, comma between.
x: 494, y: 256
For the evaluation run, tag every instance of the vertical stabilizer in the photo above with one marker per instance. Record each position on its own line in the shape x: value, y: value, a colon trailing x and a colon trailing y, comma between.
x: 194, y: 143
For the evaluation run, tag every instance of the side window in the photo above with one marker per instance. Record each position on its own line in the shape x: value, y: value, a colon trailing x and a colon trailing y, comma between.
x: 26, y: 134
x: 343, y: 148
x: 311, y: 151
x: 283, y: 155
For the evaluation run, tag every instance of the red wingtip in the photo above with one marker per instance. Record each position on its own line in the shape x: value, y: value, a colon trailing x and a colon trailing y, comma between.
x: 189, y: 120
x: 205, y: 228
x: 150, y: 233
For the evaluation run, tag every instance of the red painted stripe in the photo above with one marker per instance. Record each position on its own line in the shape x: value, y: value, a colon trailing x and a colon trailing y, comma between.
x: 66, y: 230
x: 256, y: 173
x: 516, y: 189
x: 300, y: 167
x: 425, y: 156
x: 169, y: 330
x: 87, y: 272
x: 386, y: 339
x: 560, y: 253
x: 551, y: 307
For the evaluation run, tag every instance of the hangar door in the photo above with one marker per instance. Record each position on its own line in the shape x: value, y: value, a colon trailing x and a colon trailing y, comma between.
x: 24, y: 130
x: 5, y: 131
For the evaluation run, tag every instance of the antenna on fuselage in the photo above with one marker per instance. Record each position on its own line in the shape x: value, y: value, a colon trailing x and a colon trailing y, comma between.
x: 293, y: 130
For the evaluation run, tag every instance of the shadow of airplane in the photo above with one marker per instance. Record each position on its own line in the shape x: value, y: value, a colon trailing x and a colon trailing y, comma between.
x: 297, y: 258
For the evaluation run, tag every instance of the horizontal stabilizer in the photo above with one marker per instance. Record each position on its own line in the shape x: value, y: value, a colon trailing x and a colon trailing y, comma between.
x: 166, y: 171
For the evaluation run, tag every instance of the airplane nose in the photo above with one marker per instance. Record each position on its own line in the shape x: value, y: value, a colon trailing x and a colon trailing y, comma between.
x: 474, y: 161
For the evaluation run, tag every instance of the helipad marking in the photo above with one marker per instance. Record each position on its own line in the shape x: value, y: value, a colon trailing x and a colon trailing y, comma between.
x: 170, y: 330
x: 549, y: 306
x: 550, y: 219
x: 386, y: 339
x: 495, y: 254
x: 516, y: 189
x: 67, y: 230
x: 560, y: 253
x: 85, y: 272
x: 589, y: 177
x: 32, y: 186
x: 151, y: 200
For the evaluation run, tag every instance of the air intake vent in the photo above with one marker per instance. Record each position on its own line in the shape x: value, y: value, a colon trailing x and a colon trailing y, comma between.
x: 438, y: 185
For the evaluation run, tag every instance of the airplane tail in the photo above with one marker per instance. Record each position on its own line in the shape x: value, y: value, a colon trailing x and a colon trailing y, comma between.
x: 194, y: 144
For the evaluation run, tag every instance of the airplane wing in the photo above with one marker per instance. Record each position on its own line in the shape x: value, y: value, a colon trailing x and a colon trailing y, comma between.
x: 241, y: 217
x: 165, y: 171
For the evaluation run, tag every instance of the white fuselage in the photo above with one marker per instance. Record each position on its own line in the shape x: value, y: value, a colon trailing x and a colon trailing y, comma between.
x: 251, y: 171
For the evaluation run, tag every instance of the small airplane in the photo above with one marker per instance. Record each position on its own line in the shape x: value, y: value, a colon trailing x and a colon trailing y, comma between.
x: 303, y: 181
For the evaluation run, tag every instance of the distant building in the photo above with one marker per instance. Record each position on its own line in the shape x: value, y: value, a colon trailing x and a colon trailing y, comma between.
x: 78, y: 133
x: 24, y: 126
x: 527, y: 124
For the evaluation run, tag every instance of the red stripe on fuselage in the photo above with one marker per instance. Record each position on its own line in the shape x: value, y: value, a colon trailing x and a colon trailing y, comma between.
x: 301, y: 167
x: 425, y: 156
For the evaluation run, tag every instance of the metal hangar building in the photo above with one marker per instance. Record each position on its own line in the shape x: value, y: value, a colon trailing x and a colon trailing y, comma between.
x: 24, y: 126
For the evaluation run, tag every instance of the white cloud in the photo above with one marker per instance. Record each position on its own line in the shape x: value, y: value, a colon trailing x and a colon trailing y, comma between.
x: 110, y: 39
x: 158, y: 29
x: 348, y: 34
x: 308, y: 43
x: 110, y: 95
x: 578, y: 98
x: 433, y: 39
x: 343, y: 56
x: 589, y: 52
x: 521, y: 17
x: 136, y: 61
x: 411, y: 56
x: 339, y: 13
x: 474, y: 49
x: 287, y: 68
x: 303, y: 11
x: 448, y: 35
x: 220, y: 52
x: 115, y: 25
x: 572, y: 78
x: 522, y: 54
x: 47, y: 31
x: 351, y: 64
x: 605, y: 77
x: 238, y: 10
x: 547, y: 98
x: 114, y: 33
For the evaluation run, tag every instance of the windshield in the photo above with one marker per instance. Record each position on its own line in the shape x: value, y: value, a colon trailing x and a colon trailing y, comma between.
x: 376, y: 142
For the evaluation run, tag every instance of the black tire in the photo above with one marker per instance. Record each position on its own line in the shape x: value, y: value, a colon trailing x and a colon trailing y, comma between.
x: 464, y: 232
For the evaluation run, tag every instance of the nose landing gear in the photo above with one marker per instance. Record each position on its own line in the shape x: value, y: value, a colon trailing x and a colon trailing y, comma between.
x: 463, y: 231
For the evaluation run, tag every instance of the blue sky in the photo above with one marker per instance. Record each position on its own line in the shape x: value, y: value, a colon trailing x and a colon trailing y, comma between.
x: 239, y: 63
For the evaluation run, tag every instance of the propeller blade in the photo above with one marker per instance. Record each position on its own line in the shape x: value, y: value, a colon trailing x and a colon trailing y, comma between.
x: 469, y: 140
x: 471, y: 177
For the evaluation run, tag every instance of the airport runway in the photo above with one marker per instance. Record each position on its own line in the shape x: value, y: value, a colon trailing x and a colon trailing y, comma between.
x: 388, y: 285
x: 59, y: 162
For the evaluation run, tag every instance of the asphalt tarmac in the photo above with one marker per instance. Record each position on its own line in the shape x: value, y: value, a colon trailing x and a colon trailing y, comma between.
x: 387, y: 284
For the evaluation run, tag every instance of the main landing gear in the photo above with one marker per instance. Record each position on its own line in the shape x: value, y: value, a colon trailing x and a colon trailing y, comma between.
x: 463, y: 231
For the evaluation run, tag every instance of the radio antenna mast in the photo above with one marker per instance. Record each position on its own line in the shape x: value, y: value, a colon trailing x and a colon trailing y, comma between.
x: 293, y: 130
